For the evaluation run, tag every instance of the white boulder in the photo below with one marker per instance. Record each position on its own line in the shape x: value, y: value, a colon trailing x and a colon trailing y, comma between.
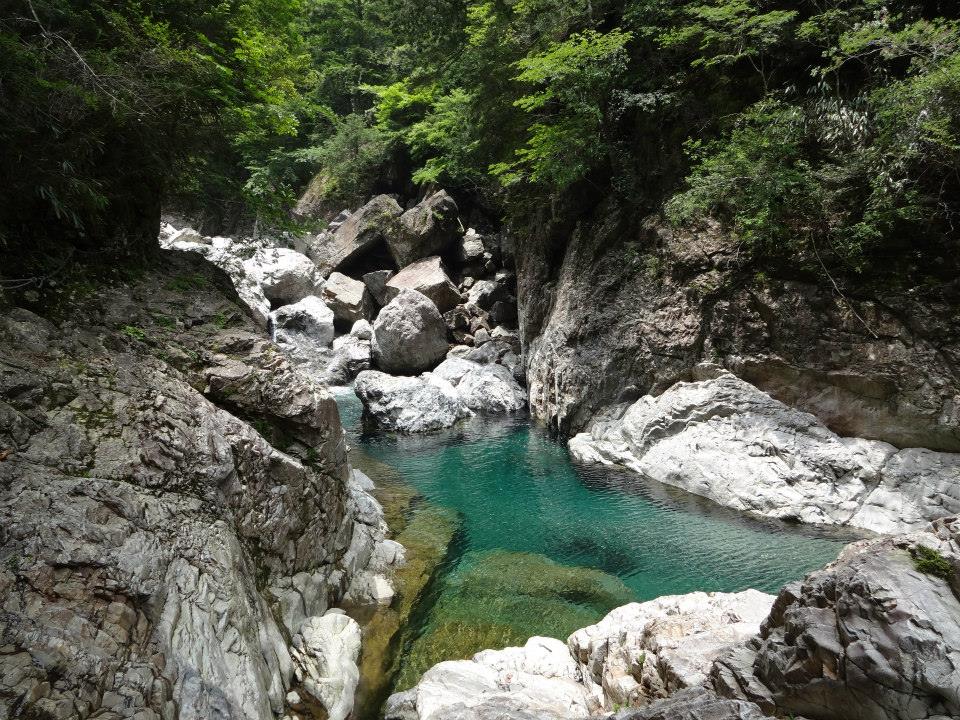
x: 486, y: 388
x: 325, y: 653
x: 724, y: 439
x: 284, y: 275
x: 346, y: 297
x: 409, y: 404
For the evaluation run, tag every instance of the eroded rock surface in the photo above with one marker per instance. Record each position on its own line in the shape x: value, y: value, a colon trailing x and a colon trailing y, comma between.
x: 610, y: 312
x: 174, y: 504
x: 724, y: 439
x: 870, y: 637
x: 425, y: 229
x: 487, y: 388
x: 359, y: 233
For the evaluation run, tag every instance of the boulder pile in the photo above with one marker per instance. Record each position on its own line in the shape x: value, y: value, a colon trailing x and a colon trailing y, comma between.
x: 402, y: 291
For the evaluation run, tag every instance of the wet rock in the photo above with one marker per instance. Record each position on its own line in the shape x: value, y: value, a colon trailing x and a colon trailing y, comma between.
x: 408, y: 404
x: 427, y: 229
x: 409, y: 334
x: 726, y: 440
x: 346, y: 297
x: 360, y: 233
x: 428, y: 277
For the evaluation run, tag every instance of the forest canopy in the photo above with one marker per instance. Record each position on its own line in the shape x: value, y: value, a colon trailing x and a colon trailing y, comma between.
x: 829, y: 127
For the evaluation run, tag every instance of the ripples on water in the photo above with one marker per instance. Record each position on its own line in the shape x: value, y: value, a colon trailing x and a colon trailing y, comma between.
x: 517, y: 492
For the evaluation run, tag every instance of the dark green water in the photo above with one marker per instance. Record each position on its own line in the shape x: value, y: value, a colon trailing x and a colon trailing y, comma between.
x: 547, y: 547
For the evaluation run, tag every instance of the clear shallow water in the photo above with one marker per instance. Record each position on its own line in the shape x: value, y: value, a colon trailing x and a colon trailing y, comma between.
x: 535, y: 531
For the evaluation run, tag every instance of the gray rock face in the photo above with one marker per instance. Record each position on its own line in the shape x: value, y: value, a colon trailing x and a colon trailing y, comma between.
x: 424, y: 230
x: 605, y: 309
x: 428, y: 277
x: 488, y: 388
x: 153, y: 542
x: 644, y: 651
x: 346, y: 297
x: 227, y: 254
x: 359, y: 233
x: 351, y: 356
x: 407, y: 404
x: 409, y: 334
x: 726, y: 440
x: 869, y: 637
x: 695, y: 704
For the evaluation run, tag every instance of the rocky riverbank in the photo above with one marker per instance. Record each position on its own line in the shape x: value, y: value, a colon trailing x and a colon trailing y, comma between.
x: 179, y: 515
x: 873, y: 636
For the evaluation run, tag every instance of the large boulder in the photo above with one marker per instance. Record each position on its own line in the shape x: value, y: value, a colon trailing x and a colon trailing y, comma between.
x: 409, y: 334
x: 284, y: 275
x: 724, y: 439
x: 428, y: 277
x: 873, y: 636
x: 695, y: 704
x: 426, y: 229
x: 325, y: 653
x: 408, y: 404
x: 486, y: 388
x: 360, y: 233
x: 304, y: 330
x: 226, y: 253
x: 347, y: 298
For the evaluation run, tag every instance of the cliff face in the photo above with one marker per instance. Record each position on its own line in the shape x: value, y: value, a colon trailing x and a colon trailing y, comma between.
x: 610, y: 311
x: 174, y: 502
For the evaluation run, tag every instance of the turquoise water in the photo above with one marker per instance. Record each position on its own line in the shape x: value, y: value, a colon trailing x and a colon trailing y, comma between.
x: 531, y: 519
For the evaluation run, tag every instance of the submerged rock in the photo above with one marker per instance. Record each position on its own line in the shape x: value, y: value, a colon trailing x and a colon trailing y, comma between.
x: 408, y: 404
x: 724, y: 439
x: 409, y: 334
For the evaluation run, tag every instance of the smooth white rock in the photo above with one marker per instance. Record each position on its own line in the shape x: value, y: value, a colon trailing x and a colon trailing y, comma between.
x: 410, y: 404
x: 724, y: 439
x: 284, y: 275
x: 327, y: 649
